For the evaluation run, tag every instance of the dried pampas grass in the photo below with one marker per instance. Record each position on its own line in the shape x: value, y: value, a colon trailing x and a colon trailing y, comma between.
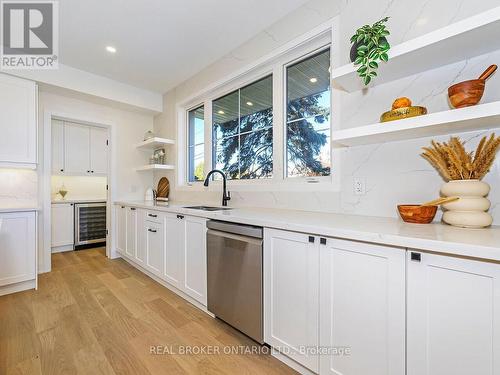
x: 453, y: 162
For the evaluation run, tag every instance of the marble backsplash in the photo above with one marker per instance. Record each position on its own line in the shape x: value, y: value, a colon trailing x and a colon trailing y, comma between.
x: 18, y: 188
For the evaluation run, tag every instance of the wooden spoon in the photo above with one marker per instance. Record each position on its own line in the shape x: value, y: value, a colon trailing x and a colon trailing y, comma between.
x: 488, y: 72
x: 440, y: 201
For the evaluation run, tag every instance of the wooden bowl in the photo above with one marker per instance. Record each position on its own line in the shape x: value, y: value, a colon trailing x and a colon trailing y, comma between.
x: 401, y: 113
x: 413, y: 213
x: 467, y: 93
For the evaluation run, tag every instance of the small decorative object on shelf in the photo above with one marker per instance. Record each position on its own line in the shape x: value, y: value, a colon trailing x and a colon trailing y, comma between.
x: 467, y: 93
x: 163, y: 190
x: 369, y: 45
x: 62, y: 191
x: 159, y: 156
x: 148, y: 135
x: 463, y: 172
x: 402, y: 108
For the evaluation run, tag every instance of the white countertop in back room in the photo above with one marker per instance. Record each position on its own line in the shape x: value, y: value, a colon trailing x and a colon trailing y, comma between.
x: 442, y: 238
x: 56, y: 201
x: 4, y: 209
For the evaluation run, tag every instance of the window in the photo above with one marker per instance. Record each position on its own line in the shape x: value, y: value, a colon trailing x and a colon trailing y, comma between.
x: 242, y: 131
x: 196, y: 144
x: 308, y: 116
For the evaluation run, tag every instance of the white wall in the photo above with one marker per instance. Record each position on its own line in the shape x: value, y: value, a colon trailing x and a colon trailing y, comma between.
x: 79, y: 187
x: 394, y: 172
x: 18, y: 188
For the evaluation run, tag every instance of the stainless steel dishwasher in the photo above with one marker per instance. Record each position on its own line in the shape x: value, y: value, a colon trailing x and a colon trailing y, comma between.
x: 234, y: 272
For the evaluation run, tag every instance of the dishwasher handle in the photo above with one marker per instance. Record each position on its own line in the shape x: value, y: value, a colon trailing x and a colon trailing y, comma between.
x: 236, y: 237
x: 235, y: 228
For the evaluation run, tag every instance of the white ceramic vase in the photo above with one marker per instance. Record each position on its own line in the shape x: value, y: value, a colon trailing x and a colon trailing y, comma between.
x: 470, y: 211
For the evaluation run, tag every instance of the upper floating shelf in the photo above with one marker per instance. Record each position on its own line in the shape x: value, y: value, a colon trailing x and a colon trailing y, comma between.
x: 470, y: 37
x: 479, y: 117
x: 154, y: 143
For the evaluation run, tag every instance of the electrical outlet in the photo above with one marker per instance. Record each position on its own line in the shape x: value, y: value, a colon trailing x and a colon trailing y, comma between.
x: 359, y: 186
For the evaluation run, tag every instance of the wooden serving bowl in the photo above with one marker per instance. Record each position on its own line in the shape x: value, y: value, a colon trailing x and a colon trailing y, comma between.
x: 467, y: 93
x: 414, y: 213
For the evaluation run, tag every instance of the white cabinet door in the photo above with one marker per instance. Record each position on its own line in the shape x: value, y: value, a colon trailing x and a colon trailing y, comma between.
x: 57, y: 147
x: 62, y: 224
x: 18, y: 123
x: 17, y: 247
x: 174, y: 250
x: 131, y: 232
x: 362, y: 308
x: 98, y: 151
x: 291, y: 295
x: 140, y: 252
x: 77, y: 148
x: 121, y: 229
x: 155, y: 254
x: 453, y: 316
x: 195, y: 258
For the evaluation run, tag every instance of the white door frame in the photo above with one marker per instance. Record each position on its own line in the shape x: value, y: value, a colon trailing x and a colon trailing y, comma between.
x: 45, y: 177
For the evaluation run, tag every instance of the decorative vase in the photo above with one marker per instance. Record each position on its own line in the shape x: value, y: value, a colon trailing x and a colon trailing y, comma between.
x: 470, y: 210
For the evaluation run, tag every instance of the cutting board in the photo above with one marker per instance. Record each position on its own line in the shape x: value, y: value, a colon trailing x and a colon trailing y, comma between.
x: 163, y: 190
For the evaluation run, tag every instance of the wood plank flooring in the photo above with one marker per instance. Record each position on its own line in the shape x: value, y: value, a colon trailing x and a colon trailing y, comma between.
x: 92, y: 315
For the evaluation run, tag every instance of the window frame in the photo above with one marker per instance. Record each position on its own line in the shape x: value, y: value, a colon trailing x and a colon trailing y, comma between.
x: 274, y: 63
x: 187, y: 146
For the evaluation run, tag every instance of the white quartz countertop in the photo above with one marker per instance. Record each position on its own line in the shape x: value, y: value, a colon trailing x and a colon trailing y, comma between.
x: 56, y: 201
x: 19, y: 209
x: 442, y: 238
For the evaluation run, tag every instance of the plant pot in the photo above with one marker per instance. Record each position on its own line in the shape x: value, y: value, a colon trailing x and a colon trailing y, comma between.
x: 354, y: 49
x: 470, y: 211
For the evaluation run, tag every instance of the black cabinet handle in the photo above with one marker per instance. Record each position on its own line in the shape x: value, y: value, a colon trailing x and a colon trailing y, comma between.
x: 62, y: 170
x: 123, y: 206
x: 322, y: 241
x: 132, y: 208
x: 152, y: 230
x: 416, y: 257
x: 92, y: 171
x: 311, y: 239
x: 151, y: 215
x: 180, y: 217
x: 88, y: 171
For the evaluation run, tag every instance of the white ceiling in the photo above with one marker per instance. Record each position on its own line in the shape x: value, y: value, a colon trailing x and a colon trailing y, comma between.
x: 159, y: 43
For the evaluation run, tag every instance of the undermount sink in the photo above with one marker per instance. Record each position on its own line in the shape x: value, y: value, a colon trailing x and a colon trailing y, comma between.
x: 208, y: 208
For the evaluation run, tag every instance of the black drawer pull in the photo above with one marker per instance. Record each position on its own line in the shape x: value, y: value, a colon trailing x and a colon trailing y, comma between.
x: 152, y: 230
x: 123, y: 206
x: 322, y: 241
x: 180, y: 217
x: 151, y: 215
x: 416, y: 257
x: 132, y: 208
x: 311, y: 239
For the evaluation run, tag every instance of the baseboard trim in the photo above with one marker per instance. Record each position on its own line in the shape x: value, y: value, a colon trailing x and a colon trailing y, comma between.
x: 17, y: 287
x: 61, y: 249
x: 291, y: 363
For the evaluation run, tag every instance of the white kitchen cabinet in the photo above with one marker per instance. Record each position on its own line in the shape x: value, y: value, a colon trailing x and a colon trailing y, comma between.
x: 63, y: 224
x: 131, y: 231
x: 98, y: 151
x: 17, y: 249
x: 291, y: 295
x: 453, y: 322
x: 362, y: 308
x: 155, y: 252
x: 121, y: 229
x: 195, y: 258
x: 18, y: 121
x: 175, y: 235
x: 77, y: 148
x: 140, y: 250
x: 57, y: 135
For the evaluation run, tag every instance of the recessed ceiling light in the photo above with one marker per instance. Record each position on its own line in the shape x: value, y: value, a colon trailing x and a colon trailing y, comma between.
x: 250, y: 104
x: 111, y: 49
x: 221, y: 112
x: 313, y: 80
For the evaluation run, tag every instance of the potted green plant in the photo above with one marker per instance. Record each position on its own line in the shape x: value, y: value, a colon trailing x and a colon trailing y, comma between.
x: 370, y: 45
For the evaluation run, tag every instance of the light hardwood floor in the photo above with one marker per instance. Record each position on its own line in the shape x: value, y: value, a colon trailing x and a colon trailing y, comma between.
x: 92, y: 315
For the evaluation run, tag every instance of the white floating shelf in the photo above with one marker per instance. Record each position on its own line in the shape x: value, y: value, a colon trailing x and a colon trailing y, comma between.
x: 470, y: 37
x: 154, y: 143
x: 151, y: 167
x: 480, y: 117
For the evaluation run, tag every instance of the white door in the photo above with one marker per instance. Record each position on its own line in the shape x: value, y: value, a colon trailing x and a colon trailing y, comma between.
x: 291, y: 295
x: 131, y: 233
x: 453, y: 316
x: 63, y: 224
x: 195, y: 258
x: 57, y: 135
x: 77, y: 148
x: 174, y: 250
x: 18, y: 124
x: 98, y: 151
x: 155, y: 255
x: 140, y: 250
x: 121, y: 229
x: 362, y: 308
x: 17, y: 247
